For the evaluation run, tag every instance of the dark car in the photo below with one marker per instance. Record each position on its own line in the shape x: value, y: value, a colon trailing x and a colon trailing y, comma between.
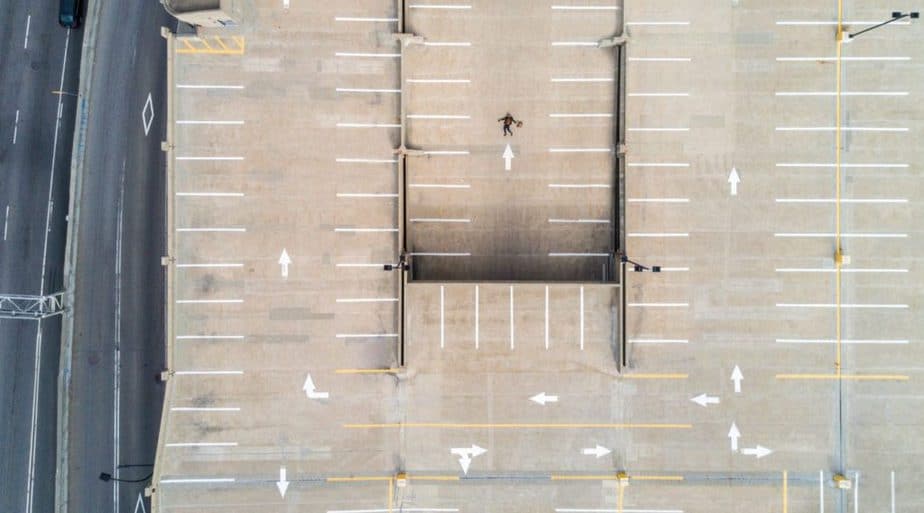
x: 69, y: 13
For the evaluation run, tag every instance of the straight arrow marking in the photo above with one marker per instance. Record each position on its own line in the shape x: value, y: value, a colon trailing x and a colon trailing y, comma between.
x: 542, y: 398
x: 734, y: 435
x: 599, y: 451
x: 705, y: 400
x: 284, y: 261
x: 282, y: 485
x: 734, y: 180
x: 759, y: 451
x: 736, y: 376
x: 508, y: 157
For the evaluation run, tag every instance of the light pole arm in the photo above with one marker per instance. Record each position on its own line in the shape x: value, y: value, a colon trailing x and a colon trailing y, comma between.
x: 900, y: 16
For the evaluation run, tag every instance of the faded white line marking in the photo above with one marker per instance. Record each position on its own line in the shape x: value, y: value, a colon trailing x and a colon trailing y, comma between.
x: 582, y: 319
x: 438, y: 81
x: 205, y: 86
x: 658, y: 200
x: 210, y: 337
x: 658, y: 341
x: 825, y: 270
x: 208, y: 301
x: 659, y: 305
x: 198, y: 481
x: 438, y: 220
x: 369, y: 55
x: 232, y: 230
x: 843, y: 341
x: 659, y: 235
x: 579, y: 254
x: 546, y: 317
x: 580, y: 80
x: 439, y: 186
x: 368, y: 300
x: 212, y: 194
x: 205, y: 409
x: 477, y: 318
x: 208, y: 122
x: 512, y: 344
x: 579, y: 221
x: 364, y: 19
x: 579, y: 186
x: 890, y: 306
x: 209, y: 373
x: 208, y: 266
x: 367, y: 335
x: 201, y: 444
x: 844, y: 235
x: 362, y: 90
x: 442, y: 316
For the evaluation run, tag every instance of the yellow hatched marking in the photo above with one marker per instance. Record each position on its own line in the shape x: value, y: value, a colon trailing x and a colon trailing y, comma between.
x: 220, y: 47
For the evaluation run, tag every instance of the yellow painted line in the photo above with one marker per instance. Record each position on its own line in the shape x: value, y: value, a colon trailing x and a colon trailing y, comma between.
x: 187, y: 43
x: 619, y: 497
x: 854, y: 377
x: 222, y: 44
x: 240, y: 42
x: 206, y: 43
x: 837, y: 202
x: 655, y: 376
x: 391, y: 494
x: 366, y: 371
x: 357, y: 479
x: 451, y: 425
x: 785, y: 493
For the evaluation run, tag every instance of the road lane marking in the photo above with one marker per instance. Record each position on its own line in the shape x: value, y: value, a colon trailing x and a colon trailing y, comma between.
x: 844, y: 235
x: 575, y: 43
x: 117, y: 339
x: 856, y: 492
x: 208, y: 122
x: 658, y: 234
x: 365, y: 161
x: 446, y: 152
x: 579, y: 186
x: 843, y: 341
x: 658, y: 164
x: 658, y: 95
x: 365, y: 230
x: 477, y: 318
x: 442, y: 316
x: 835, y: 23
x: 454, y: 425
x: 843, y: 93
x: 6, y: 221
x: 665, y: 270
x: 25, y: 43
x: 785, y: 492
x: 843, y: 128
x: 843, y: 305
x: 585, y: 8
x: 579, y: 254
x: 208, y: 86
x: 439, y: 186
x: 582, y: 318
x: 201, y: 444
x: 580, y: 80
x: 660, y: 59
x: 16, y: 126
x: 661, y: 129
x: 437, y: 254
x: 845, y: 59
x: 580, y: 150
x: 440, y: 6
x: 892, y: 489
x: 581, y: 115
x: 821, y: 491
x: 832, y: 165
x: 448, y: 43
x: 370, y: 265
x: 367, y: 371
x: 365, y: 195
x: 658, y: 200
x: 610, y: 510
x: 656, y: 376
x: 657, y: 23
x: 410, y: 510
x: 216, y: 158
x: 438, y: 116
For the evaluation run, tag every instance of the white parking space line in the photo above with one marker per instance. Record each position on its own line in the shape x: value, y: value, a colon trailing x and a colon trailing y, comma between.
x: 657, y: 23
x: 580, y: 150
x: 582, y: 319
x: 439, y: 186
x: 210, y: 337
x: 448, y: 43
x: 575, y: 43
x: 365, y: 335
x: 843, y: 305
x: 658, y: 164
x: 580, y: 80
x: 368, y: 125
x: 198, y: 480
x: 843, y: 341
x: 368, y: 55
x: 208, y: 122
x: 369, y: 91
x: 211, y: 158
x: 437, y: 254
x: 856, y: 492
x: 892, y: 490
x: 347, y: 160
x: 843, y: 200
x: 582, y: 115
x: 367, y: 300
x: 585, y: 8
x: 658, y: 95
x: 843, y: 93
x: 208, y: 86
x: 579, y: 254
x: 658, y: 200
x: 843, y: 59
x: 438, y: 220
x: 438, y: 81
x: 231, y: 230
x: 208, y: 266
x: 843, y: 128
x: 658, y: 341
x: 579, y: 221
x: 477, y: 318
x: 658, y: 305
x: 442, y: 316
x: 205, y: 409
x: 365, y: 19
x: 208, y: 301
x: 365, y: 230
x: 201, y: 444
x: 211, y: 194
x: 366, y: 195
x: 658, y: 234
x: 441, y: 6
x: 438, y: 116
x: 833, y: 165
x: 512, y: 344
x: 546, y: 317
x: 845, y: 270
x: 579, y: 186
x: 844, y: 235
x: 821, y: 491
x: 209, y: 373
x: 660, y: 59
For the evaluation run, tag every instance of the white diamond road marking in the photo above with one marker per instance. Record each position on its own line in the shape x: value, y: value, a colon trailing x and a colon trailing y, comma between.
x: 147, y: 114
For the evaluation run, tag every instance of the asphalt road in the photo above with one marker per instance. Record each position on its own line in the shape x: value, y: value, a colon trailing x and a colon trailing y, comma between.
x: 38, y: 58
x: 118, y: 350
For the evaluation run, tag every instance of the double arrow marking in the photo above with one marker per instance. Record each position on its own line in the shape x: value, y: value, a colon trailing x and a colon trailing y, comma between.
x: 466, y: 454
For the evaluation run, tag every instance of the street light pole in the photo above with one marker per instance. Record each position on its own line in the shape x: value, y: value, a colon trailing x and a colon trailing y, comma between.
x: 896, y: 15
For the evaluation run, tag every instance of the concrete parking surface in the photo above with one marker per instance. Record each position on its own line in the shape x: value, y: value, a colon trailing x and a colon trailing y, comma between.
x: 759, y: 365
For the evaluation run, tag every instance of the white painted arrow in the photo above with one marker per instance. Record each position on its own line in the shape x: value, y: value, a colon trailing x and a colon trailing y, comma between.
x: 703, y: 400
x: 734, y: 434
x: 285, y: 4
x: 284, y: 261
x: 139, y: 506
x: 598, y: 451
x: 311, y: 390
x: 282, y: 485
x: 508, y: 157
x: 736, y: 376
x: 466, y: 454
x: 734, y: 180
x: 542, y: 399
x: 759, y: 451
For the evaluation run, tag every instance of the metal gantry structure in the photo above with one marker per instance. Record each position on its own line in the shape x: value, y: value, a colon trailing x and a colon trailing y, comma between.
x: 13, y: 306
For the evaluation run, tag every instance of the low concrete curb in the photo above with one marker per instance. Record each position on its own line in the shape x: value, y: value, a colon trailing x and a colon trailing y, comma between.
x: 87, y: 62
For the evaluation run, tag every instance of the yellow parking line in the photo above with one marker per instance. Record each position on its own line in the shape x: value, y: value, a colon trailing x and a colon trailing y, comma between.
x: 452, y: 425
x: 854, y: 377
x: 838, y: 260
x: 619, y: 497
x: 391, y: 494
x: 785, y: 493
x: 367, y: 371
x: 655, y: 376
